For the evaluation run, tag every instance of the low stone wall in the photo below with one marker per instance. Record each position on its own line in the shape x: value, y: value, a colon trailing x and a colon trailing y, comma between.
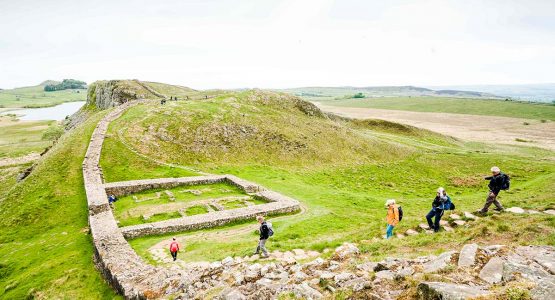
x: 116, y: 260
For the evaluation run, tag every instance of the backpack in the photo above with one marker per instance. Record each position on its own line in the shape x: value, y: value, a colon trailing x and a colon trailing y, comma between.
x: 506, y: 182
x: 270, y: 229
x: 449, y: 205
x: 400, y: 213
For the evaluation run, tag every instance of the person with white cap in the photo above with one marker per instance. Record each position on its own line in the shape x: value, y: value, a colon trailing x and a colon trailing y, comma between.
x: 497, y: 182
x: 438, y: 207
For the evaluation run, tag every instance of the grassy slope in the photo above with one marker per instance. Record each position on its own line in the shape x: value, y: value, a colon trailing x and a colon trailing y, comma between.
x: 20, y: 138
x: 35, y: 96
x: 341, y: 171
x: 540, y: 111
x: 44, y: 250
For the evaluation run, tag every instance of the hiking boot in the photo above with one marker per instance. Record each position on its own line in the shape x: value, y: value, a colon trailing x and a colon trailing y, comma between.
x: 499, y: 209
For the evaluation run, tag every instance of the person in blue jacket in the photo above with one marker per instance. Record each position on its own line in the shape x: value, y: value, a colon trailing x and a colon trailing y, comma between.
x: 438, y: 207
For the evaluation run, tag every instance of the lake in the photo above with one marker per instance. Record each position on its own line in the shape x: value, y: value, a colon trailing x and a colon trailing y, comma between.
x: 58, y: 112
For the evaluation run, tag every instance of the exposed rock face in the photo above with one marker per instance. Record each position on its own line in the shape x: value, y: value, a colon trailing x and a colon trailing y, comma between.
x: 448, y: 291
x: 106, y: 94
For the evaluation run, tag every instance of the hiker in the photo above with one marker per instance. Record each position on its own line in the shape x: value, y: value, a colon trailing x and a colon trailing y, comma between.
x: 497, y: 182
x: 174, y: 248
x: 392, y: 217
x: 265, y: 233
x: 112, y: 199
x: 438, y: 207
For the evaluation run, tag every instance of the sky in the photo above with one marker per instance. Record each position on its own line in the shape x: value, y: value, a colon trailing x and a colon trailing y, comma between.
x: 207, y: 44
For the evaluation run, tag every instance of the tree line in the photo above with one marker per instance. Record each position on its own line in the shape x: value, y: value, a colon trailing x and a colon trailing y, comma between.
x: 65, y: 85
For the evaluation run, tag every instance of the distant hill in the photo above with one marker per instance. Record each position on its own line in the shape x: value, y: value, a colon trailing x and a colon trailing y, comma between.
x: 36, y: 96
x: 385, y: 91
x: 542, y: 92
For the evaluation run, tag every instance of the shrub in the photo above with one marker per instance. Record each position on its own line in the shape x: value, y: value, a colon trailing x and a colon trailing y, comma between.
x: 358, y: 95
x: 53, y: 133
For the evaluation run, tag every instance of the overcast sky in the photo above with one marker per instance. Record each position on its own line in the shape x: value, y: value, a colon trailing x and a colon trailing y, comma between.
x: 274, y: 44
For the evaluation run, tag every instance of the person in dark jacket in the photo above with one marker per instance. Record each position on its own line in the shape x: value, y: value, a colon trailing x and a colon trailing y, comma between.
x: 495, y: 185
x: 264, y: 235
x: 438, y: 207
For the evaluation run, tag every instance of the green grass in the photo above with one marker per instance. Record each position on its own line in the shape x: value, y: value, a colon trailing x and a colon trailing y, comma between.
x: 539, y: 111
x: 45, y: 251
x: 196, y: 210
x: 130, y: 212
x: 35, y: 96
x: 19, y: 138
x: 341, y: 171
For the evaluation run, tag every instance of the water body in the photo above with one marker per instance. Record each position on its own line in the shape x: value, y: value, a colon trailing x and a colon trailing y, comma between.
x: 58, y: 112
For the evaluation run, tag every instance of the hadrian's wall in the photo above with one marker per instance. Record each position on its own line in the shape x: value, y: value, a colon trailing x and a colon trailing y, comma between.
x: 117, y: 261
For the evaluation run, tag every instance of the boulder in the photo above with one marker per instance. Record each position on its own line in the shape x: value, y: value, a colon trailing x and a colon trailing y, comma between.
x: 233, y: 295
x: 357, y: 284
x: 515, y: 210
x: 550, y: 212
x: 385, y: 274
x: 448, y: 291
x: 439, y: 263
x: 346, y: 250
x: 492, y: 272
x: 404, y: 272
x: 532, y: 271
x: 467, y: 257
x: 367, y: 266
x: 543, y: 255
x: 342, y: 277
x: 228, y: 261
x: 545, y: 289
x: 306, y: 292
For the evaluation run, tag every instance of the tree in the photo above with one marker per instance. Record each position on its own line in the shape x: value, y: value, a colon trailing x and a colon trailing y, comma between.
x: 359, y: 95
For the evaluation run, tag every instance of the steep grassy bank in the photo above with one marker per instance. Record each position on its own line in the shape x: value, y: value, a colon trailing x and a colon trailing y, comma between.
x: 342, y: 171
x: 45, y: 250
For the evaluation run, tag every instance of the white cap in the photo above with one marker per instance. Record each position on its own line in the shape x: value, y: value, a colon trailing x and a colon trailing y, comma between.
x: 495, y: 169
x: 389, y: 202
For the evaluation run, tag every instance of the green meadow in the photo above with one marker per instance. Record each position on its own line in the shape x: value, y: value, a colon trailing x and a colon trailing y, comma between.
x: 538, y: 111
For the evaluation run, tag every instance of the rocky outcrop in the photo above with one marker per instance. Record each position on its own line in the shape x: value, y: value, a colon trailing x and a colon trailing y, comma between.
x: 448, y: 291
x: 106, y: 94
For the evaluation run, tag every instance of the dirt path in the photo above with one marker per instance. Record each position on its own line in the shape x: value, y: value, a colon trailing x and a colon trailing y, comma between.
x: 490, y: 129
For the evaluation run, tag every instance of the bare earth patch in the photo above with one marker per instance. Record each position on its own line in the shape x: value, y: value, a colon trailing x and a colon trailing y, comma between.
x: 490, y: 129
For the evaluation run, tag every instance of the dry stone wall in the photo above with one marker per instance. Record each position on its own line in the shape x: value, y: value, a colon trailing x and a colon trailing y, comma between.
x: 118, y: 262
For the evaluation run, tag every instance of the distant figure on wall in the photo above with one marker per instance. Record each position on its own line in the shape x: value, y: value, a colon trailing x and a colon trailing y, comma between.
x: 497, y: 182
x: 174, y: 248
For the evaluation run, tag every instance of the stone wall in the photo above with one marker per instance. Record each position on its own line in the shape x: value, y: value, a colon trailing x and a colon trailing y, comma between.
x: 116, y: 260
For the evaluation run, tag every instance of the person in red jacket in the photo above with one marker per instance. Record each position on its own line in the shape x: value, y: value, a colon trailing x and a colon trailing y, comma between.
x: 174, y: 248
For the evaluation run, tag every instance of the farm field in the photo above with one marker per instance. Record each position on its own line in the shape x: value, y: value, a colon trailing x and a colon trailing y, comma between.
x: 481, y: 107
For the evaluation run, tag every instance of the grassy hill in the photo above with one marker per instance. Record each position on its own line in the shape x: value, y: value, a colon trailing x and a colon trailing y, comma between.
x: 35, y: 96
x: 342, y: 171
